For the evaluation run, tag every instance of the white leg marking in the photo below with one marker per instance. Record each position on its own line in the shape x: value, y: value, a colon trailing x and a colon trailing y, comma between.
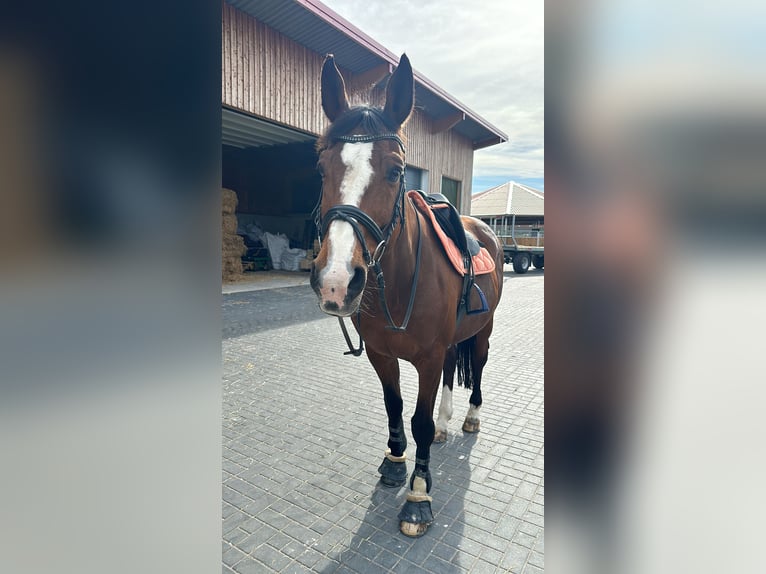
x: 419, y: 485
x: 473, y: 413
x: 337, y: 273
x: 445, y: 409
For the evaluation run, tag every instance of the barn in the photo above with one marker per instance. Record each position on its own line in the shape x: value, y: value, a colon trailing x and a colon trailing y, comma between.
x: 272, y: 56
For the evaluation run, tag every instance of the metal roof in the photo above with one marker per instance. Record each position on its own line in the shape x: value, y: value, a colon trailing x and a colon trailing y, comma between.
x: 313, y: 25
x: 243, y: 130
x: 509, y: 198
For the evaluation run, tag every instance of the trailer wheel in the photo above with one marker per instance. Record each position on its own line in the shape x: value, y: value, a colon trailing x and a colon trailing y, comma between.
x: 521, y: 263
x: 538, y: 261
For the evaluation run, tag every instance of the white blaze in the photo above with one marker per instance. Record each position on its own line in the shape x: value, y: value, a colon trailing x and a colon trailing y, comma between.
x: 356, y: 157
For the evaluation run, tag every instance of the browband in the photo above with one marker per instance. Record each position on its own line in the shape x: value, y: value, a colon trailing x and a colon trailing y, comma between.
x: 372, y: 138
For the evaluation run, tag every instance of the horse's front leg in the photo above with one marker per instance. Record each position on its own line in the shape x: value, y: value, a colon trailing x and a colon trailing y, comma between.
x: 393, y: 469
x: 416, y: 514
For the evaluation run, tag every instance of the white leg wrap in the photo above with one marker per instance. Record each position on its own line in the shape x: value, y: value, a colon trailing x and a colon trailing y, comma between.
x: 393, y: 458
x: 418, y: 492
x: 445, y: 409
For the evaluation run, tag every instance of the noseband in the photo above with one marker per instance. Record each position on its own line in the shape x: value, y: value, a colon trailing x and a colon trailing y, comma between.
x: 358, y: 219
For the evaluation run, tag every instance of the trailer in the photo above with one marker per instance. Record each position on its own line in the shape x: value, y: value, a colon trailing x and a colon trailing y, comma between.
x: 516, y: 213
x: 522, y: 245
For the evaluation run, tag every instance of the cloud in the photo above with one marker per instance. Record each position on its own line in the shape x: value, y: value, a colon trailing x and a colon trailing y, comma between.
x: 488, y: 55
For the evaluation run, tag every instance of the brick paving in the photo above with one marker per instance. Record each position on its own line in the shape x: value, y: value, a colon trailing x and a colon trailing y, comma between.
x: 304, y: 431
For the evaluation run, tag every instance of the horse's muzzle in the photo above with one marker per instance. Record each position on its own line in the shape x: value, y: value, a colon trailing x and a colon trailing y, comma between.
x: 339, y: 294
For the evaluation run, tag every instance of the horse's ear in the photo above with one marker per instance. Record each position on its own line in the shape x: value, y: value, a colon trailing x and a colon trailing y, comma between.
x: 400, y: 92
x: 334, y: 99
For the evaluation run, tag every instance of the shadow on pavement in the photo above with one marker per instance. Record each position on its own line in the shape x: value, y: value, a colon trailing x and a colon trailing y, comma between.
x: 378, y: 543
x: 256, y: 311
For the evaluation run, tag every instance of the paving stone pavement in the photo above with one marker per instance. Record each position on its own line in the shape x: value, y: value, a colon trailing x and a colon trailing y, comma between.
x: 304, y: 431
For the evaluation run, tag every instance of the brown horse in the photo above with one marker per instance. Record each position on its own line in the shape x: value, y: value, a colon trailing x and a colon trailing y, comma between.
x: 408, y: 306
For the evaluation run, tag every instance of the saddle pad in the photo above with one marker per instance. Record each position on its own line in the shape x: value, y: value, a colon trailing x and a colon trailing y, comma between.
x: 482, y: 263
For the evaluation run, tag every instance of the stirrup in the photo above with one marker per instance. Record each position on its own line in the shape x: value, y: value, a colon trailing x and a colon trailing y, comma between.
x: 482, y: 309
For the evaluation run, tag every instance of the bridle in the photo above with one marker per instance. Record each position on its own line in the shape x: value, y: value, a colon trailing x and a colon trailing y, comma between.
x: 382, y: 235
x: 356, y: 217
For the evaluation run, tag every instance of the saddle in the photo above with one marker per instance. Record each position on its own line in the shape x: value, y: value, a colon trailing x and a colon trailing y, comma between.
x: 467, y: 255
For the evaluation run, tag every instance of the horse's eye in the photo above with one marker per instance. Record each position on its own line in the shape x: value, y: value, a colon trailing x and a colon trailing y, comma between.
x: 394, y: 174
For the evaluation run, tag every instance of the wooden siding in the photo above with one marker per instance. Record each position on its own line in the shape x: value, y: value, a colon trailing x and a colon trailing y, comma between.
x: 268, y: 75
x: 443, y: 154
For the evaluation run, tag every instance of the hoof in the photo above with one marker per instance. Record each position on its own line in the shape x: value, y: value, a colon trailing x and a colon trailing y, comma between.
x: 471, y: 426
x: 415, y: 516
x: 440, y: 436
x: 392, y: 474
x: 413, y: 530
x: 389, y: 483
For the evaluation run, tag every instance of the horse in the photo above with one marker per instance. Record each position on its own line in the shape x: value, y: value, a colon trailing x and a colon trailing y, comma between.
x: 381, y: 265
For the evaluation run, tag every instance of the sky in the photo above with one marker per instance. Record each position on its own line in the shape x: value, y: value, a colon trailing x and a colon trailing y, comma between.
x: 489, y: 55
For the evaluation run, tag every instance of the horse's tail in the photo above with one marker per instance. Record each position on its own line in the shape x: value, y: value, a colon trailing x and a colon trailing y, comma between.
x: 464, y: 362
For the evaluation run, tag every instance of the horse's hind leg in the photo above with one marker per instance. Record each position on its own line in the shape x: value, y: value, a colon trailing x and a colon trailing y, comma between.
x: 393, y: 469
x: 478, y: 358
x: 445, y: 406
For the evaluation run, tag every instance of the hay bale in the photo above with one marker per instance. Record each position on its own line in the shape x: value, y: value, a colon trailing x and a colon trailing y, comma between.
x: 229, y: 224
x: 229, y: 201
x: 231, y: 252
x: 232, y: 265
x: 231, y: 268
x: 233, y: 247
x: 233, y: 243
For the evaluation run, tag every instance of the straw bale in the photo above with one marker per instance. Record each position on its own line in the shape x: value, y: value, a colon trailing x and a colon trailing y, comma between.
x: 231, y: 252
x: 229, y: 201
x: 229, y: 224
x: 232, y: 264
x: 234, y: 243
x: 231, y: 268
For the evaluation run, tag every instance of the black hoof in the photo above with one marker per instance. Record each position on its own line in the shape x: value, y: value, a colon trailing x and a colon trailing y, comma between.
x: 392, y: 474
x: 388, y: 483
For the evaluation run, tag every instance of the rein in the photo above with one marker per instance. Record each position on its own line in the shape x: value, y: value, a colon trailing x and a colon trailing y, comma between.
x: 358, y: 219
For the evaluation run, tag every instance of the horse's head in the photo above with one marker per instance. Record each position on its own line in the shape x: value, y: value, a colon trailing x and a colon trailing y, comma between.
x: 361, y: 161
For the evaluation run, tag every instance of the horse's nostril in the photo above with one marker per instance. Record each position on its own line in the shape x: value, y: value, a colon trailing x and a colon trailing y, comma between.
x: 356, y: 284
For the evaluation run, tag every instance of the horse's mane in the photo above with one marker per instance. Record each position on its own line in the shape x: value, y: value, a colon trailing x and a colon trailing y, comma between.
x: 359, y: 120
